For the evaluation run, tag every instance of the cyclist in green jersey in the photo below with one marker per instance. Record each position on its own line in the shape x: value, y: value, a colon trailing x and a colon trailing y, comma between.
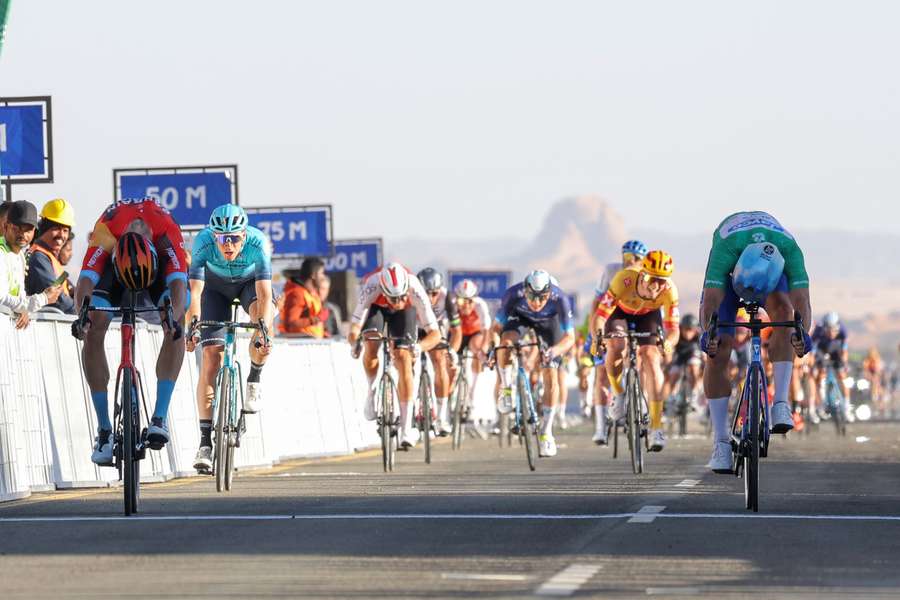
x: 755, y: 259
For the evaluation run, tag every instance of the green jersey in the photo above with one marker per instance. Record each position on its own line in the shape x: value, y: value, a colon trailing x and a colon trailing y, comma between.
x: 740, y: 230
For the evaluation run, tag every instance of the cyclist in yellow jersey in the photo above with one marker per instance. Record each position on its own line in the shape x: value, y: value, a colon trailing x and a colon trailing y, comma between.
x: 636, y: 297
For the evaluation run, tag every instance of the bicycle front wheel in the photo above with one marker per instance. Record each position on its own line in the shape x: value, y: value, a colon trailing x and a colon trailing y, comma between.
x: 425, y: 405
x: 387, y: 423
x: 131, y: 436
x: 220, y: 460
x: 751, y: 457
x: 462, y: 395
x: 634, y: 425
x: 528, y: 427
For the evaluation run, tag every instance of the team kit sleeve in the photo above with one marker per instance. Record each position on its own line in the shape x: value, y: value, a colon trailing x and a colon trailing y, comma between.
x: 507, y: 305
x: 203, y: 244
x: 422, y: 304
x: 484, y: 313
x: 368, y: 293
x: 795, y: 266
x: 609, y: 300
x: 263, y: 260
x: 97, y: 256
x: 452, y: 310
x: 723, y: 256
x: 671, y: 312
x: 566, y: 322
x: 173, y: 245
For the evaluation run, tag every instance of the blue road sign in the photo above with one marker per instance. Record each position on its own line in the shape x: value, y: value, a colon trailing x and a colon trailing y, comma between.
x: 491, y: 284
x: 359, y: 256
x: 190, y: 196
x: 295, y: 230
x: 23, y: 142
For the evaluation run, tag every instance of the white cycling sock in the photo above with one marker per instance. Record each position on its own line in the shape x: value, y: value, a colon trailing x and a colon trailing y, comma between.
x: 406, y: 415
x: 600, y: 417
x: 443, y: 412
x: 782, y: 374
x: 547, y: 421
x: 506, y: 376
x: 718, y: 413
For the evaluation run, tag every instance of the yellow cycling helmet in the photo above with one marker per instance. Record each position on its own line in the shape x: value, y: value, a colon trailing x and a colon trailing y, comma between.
x: 59, y: 211
x: 658, y: 264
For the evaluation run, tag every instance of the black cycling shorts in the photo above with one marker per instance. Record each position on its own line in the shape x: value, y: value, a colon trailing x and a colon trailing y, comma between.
x: 216, y: 301
x: 400, y: 323
x: 649, y: 323
x: 549, y: 330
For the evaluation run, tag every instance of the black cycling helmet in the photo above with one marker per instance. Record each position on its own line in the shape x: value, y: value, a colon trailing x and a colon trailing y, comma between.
x: 431, y: 279
x: 690, y: 321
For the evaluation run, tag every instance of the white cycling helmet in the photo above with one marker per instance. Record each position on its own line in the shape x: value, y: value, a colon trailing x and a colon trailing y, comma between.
x: 394, y: 281
x: 537, y: 284
x: 832, y: 320
x: 466, y: 289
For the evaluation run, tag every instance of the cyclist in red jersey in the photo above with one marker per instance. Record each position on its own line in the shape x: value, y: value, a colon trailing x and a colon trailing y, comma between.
x: 98, y: 285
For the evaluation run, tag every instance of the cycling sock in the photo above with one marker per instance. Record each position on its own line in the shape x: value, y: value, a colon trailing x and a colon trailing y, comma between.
x: 718, y: 412
x: 600, y: 417
x: 405, y: 415
x: 616, y: 384
x: 206, y: 432
x: 101, y: 406
x: 442, y: 412
x: 164, y: 389
x: 255, y: 371
x: 547, y: 424
x: 506, y: 375
x: 782, y: 372
x: 656, y: 409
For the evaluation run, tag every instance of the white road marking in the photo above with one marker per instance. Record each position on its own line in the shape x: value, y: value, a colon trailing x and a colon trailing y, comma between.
x: 647, y: 514
x: 569, y: 581
x: 345, y: 474
x: 688, y: 483
x: 484, y: 577
x: 862, y: 439
x: 645, y: 517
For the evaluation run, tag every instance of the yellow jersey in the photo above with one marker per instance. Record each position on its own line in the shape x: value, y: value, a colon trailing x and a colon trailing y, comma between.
x: 622, y: 294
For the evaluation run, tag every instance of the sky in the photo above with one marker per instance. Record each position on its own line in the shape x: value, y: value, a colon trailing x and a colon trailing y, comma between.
x: 468, y: 119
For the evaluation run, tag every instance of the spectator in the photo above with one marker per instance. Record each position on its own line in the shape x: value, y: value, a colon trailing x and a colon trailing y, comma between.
x: 44, y: 266
x: 4, y: 207
x: 65, y: 256
x: 17, y: 235
x: 331, y: 314
x: 302, y: 306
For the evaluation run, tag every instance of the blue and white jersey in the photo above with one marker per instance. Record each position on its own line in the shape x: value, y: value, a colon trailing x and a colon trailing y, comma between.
x: 514, y: 305
x: 253, y: 263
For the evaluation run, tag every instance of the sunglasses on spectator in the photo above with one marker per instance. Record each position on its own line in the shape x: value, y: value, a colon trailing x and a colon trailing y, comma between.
x: 229, y: 238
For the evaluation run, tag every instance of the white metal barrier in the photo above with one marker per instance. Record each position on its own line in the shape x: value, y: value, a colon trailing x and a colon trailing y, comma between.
x: 312, y: 406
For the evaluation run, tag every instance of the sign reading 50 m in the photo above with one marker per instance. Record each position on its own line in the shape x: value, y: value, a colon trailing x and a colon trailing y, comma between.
x: 295, y: 230
x: 189, y: 193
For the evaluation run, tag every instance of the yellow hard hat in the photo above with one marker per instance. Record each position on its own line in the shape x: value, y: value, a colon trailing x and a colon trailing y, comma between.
x: 59, y: 211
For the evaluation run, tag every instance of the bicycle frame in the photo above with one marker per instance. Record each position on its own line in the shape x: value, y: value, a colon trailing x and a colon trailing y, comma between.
x: 740, y: 436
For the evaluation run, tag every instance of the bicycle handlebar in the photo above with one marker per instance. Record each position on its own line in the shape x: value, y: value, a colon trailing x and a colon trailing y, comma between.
x: 260, y: 325
x: 83, y: 319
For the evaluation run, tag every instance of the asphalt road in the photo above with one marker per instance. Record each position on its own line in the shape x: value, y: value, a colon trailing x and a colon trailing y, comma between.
x: 476, y: 523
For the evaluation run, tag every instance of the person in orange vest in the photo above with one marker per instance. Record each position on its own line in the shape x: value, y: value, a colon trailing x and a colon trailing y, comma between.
x: 44, y: 267
x: 302, y: 312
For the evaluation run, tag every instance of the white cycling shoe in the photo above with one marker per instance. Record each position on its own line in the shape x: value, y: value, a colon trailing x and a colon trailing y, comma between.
x: 409, y: 437
x: 601, y: 438
x: 721, y: 461
x: 657, y: 440
x: 444, y: 429
x: 547, y: 447
x: 782, y: 418
x: 253, y: 398
x: 505, y: 406
x: 203, y: 461
x: 617, y: 410
x: 103, y: 449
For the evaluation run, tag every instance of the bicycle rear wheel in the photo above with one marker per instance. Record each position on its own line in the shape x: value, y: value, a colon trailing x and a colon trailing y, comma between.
x: 751, y: 457
x: 220, y: 460
x: 425, y: 407
x: 836, y: 402
x: 527, y: 428
x: 131, y: 434
x: 634, y: 424
x: 462, y: 394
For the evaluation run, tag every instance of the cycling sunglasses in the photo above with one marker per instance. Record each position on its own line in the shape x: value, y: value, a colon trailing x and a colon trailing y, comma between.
x: 396, y: 299
x: 229, y: 238
x: 537, y: 297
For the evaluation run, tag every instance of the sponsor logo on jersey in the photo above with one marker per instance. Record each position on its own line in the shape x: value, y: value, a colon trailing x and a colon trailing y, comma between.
x: 170, y: 252
x: 92, y: 261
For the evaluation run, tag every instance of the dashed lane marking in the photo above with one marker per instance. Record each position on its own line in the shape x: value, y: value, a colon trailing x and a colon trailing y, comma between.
x: 484, y: 577
x: 569, y: 581
x: 688, y: 483
x: 673, y: 591
x: 647, y: 514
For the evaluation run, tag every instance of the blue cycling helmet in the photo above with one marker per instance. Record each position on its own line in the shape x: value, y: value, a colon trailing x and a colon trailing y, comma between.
x: 636, y: 247
x: 757, y: 272
x: 228, y: 218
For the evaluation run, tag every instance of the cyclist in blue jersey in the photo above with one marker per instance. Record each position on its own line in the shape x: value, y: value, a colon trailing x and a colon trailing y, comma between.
x: 230, y: 261
x: 537, y: 304
x: 830, y: 346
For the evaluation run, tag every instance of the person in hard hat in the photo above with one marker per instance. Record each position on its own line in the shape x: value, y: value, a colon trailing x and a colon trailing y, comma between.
x: 44, y: 266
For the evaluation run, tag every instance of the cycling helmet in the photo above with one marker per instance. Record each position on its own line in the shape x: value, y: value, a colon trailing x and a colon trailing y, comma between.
x: 228, y: 218
x: 757, y: 272
x: 394, y: 281
x: 537, y: 284
x: 690, y: 321
x: 134, y: 261
x: 431, y: 279
x: 832, y: 320
x: 636, y: 247
x: 466, y: 289
x: 659, y: 264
